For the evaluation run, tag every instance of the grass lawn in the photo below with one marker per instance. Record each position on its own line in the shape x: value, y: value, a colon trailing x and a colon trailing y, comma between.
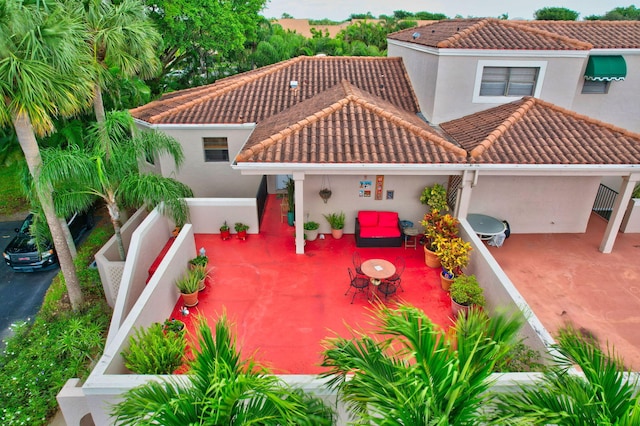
x: 11, y: 198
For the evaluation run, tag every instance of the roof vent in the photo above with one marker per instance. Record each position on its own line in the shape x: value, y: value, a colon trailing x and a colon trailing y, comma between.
x: 293, y: 84
x: 415, y: 35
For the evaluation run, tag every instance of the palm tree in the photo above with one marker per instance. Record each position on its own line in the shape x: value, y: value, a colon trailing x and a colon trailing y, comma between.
x: 109, y: 171
x: 413, y: 373
x: 221, y: 389
x: 42, y: 75
x: 603, y: 395
x: 121, y: 36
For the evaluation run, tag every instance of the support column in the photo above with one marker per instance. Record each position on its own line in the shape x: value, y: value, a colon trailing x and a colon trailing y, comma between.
x: 469, y: 180
x: 299, y: 211
x: 624, y: 195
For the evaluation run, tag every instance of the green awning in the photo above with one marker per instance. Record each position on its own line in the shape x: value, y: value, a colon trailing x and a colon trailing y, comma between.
x: 606, y: 68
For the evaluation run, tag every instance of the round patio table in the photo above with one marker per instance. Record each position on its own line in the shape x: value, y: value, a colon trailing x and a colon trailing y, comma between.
x: 377, y: 270
x: 485, y: 226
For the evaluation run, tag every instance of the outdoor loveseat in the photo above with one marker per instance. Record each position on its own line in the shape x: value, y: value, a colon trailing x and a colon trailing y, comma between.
x: 378, y: 229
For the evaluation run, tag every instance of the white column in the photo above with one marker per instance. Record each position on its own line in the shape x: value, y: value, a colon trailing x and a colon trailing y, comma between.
x: 469, y: 180
x: 299, y: 210
x: 624, y: 195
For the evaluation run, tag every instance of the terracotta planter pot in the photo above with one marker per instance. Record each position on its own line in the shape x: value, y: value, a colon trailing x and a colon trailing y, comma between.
x: 445, y: 282
x: 190, y: 299
x: 457, y: 309
x: 430, y: 258
x: 337, y: 233
x: 225, y: 235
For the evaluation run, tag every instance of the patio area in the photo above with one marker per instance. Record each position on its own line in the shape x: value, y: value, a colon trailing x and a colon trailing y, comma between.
x: 565, y: 279
x: 284, y: 304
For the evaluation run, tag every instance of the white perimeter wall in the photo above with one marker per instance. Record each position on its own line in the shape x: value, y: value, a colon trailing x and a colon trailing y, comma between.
x: 537, y: 204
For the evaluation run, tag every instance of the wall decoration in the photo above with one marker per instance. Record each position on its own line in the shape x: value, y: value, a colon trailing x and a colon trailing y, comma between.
x: 379, y: 186
x: 365, y: 189
x: 390, y: 195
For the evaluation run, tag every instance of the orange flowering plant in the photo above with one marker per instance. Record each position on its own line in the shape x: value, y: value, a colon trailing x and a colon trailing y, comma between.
x: 437, y: 225
x: 453, y: 254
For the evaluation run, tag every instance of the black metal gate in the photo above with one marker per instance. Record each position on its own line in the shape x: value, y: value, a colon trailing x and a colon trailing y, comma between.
x: 606, y: 197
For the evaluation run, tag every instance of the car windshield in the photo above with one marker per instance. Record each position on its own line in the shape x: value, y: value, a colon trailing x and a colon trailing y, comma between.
x: 24, y: 229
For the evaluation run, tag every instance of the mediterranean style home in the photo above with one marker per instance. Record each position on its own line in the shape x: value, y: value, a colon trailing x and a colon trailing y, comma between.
x: 520, y: 120
x: 514, y: 117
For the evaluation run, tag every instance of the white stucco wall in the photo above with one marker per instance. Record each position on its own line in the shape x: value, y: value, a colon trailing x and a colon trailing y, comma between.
x: 620, y: 105
x: 210, y: 179
x: 345, y: 197
x: 537, y: 204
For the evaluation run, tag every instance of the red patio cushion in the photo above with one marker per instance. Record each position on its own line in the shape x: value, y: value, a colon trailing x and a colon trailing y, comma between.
x: 380, y: 232
x: 368, y: 218
x: 389, y: 219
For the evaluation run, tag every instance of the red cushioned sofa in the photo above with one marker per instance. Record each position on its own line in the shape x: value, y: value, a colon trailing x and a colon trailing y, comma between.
x: 378, y: 229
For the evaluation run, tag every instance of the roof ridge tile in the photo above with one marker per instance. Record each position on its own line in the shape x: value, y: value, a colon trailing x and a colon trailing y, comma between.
x: 502, y: 128
x: 460, y: 34
x: 291, y: 129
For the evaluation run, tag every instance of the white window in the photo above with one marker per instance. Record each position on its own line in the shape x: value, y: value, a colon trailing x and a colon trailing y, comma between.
x: 502, y: 81
x: 215, y: 149
x: 591, y: 87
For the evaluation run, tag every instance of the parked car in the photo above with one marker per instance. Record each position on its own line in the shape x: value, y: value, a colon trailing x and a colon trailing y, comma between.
x: 22, y: 255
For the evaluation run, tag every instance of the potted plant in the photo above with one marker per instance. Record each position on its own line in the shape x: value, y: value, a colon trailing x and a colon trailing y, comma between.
x: 200, y: 272
x: 199, y: 260
x: 225, y: 233
x: 311, y: 230
x: 435, y: 196
x: 241, y: 230
x: 437, y: 226
x: 465, y: 292
x: 173, y: 326
x: 155, y: 350
x: 188, y: 286
x: 336, y: 221
x: 325, y: 194
x: 454, y: 255
x: 291, y: 187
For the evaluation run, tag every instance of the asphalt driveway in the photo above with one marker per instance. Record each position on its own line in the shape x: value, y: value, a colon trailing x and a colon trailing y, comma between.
x: 21, y: 294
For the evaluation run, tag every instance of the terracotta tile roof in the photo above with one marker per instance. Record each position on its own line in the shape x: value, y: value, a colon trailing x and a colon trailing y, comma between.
x: 493, y: 33
x: 258, y: 94
x: 531, y: 131
x: 488, y: 33
x: 600, y: 34
x: 345, y: 124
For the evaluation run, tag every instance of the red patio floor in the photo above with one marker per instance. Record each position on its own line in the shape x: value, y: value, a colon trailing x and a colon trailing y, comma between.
x: 284, y: 304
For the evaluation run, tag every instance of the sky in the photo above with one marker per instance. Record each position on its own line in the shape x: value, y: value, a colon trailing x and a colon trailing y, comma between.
x: 339, y: 10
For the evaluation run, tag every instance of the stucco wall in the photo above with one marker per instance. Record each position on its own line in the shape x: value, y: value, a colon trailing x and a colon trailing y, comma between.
x: 537, y: 204
x: 211, y: 179
x: 422, y: 68
x: 620, y: 105
x: 345, y: 197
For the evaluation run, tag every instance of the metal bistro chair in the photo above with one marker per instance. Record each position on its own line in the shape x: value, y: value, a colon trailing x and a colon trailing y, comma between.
x: 388, y: 288
x: 357, y: 263
x: 359, y: 284
x: 396, y: 279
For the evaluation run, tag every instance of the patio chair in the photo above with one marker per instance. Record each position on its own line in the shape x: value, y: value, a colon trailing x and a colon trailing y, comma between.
x: 396, y: 278
x: 358, y: 283
x: 388, y: 288
x: 357, y: 263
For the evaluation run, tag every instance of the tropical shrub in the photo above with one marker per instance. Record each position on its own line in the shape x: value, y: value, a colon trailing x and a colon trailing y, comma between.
x: 154, y: 350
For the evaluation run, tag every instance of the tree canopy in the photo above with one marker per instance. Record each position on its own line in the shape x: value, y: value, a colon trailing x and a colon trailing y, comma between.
x: 630, y: 13
x: 555, y: 14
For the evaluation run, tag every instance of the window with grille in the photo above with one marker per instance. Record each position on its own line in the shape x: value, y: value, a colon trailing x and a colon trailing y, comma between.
x: 509, y: 81
x: 215, y: 149
x: 591, y: 87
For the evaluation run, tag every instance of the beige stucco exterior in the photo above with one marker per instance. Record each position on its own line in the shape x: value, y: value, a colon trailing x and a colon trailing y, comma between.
x: 446, y: 81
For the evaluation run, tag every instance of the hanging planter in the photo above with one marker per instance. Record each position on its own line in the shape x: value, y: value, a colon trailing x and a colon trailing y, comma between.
x: 325, y: 192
